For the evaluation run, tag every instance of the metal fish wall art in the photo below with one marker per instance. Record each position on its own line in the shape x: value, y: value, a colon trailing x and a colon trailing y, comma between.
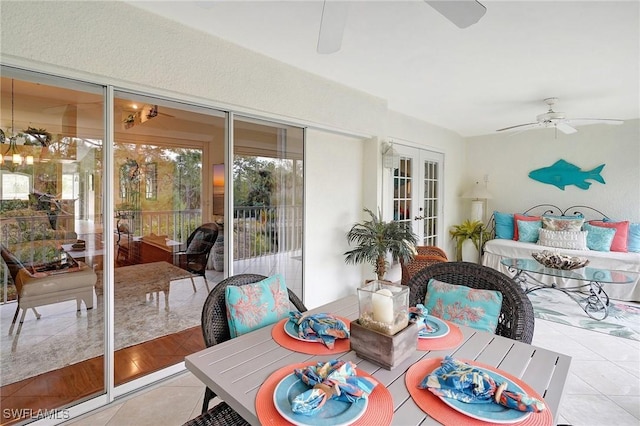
x: 563, y: 173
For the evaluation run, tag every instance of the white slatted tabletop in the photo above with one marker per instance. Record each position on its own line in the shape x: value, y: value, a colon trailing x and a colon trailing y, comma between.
x: 236, y: 369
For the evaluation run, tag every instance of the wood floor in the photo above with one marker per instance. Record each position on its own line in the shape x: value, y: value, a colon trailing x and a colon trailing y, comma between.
x: 69, y: 385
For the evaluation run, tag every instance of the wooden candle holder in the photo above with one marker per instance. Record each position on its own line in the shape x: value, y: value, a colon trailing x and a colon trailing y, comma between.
x: 382, y: 349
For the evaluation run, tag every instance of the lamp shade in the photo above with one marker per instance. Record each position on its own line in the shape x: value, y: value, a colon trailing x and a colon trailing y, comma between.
x: 477, y: 192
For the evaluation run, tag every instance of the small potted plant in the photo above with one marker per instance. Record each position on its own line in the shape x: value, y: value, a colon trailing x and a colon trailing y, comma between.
x: 376, y: 238
x: 469, y: 230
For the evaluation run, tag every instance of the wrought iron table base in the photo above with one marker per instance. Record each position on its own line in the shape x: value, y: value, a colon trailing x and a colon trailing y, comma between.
x: 595, y: 303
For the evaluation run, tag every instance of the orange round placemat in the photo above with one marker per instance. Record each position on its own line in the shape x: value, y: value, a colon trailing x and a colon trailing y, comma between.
x: 379, y: 409
x: 311, y: 348
x: 451, y: 340
x: 433, y: 405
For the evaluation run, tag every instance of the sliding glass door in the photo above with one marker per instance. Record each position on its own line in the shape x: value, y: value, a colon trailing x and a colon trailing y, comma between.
x: 267, y: 199
x: 53, y: 333
x: 164, y: 153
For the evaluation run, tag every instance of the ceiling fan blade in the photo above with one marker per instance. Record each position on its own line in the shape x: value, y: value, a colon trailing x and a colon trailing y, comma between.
x: 585, y: 121
x: 521, y: 127
x: 565, y: 128
x: 463, y: 13
x: 332, y: 23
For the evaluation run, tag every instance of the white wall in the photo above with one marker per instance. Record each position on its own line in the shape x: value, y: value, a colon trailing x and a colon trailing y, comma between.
x: 333, y: 203
x: 114, y: 43
x: 508, y: 159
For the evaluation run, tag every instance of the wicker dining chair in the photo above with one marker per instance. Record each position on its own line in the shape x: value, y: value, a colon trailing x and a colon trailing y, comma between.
x: 419, y: 262
x: 215, y: 329
x: 516, y: 319
x: 430, y: 251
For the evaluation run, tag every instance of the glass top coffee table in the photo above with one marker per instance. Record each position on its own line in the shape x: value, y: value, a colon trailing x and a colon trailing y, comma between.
x: 589, y: 292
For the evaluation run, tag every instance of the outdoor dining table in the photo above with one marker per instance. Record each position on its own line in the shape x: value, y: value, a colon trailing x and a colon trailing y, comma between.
x: 236, y: 369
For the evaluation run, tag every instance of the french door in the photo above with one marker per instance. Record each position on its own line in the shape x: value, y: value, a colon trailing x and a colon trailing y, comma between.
x: 417, y: 193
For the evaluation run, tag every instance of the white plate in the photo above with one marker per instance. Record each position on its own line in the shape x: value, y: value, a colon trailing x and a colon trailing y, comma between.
x: 441, y: 328
x: 333, y: 413
x: 291, y: 329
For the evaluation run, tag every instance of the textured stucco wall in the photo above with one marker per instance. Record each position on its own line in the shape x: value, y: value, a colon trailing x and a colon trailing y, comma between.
x: 508, y: 159
x: 115, y: 41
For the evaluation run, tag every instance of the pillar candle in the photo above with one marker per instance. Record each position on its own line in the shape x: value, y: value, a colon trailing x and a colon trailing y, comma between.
x: 383, y: 306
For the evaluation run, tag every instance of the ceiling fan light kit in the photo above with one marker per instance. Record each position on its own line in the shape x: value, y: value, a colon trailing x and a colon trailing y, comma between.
x: 559, y: 121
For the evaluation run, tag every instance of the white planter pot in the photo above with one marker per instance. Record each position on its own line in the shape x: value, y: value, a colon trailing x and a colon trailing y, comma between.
x: 469, y: 252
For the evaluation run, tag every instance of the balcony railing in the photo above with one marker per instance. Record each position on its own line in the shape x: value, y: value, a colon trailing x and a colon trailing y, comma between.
x: 258, y: 231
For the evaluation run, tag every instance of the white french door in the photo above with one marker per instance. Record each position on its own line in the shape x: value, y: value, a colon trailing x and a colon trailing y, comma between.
x: 417, y: 193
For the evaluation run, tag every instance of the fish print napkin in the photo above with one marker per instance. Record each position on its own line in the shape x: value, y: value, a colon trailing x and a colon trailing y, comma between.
x: 463, y: 382
x: 333, y: 379
x: 326, y: 327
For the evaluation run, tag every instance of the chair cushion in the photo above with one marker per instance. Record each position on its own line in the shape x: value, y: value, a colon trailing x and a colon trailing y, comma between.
x: 460, y: 304
x: 256, y: 305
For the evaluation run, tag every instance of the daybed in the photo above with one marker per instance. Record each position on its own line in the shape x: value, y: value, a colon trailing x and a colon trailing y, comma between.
x: 626, y: 262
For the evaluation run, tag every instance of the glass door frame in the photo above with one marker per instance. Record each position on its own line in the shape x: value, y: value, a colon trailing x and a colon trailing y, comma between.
x: 418, y: 158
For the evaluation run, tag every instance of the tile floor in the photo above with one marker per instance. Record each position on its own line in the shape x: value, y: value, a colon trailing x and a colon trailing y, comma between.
x: 603, y: 387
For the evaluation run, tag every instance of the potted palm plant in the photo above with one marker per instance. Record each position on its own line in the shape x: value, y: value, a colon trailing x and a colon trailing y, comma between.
x: 376, y: 238
x: 469, y: 230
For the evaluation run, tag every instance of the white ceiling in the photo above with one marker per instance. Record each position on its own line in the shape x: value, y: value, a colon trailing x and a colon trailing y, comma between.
x: 473, y: 81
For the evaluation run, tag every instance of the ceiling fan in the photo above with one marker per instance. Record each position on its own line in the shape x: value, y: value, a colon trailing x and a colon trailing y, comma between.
x: 559, y: 121
x: 463, y: 13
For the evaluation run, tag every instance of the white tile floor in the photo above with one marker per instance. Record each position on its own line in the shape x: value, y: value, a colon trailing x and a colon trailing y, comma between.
x: 603, y: 387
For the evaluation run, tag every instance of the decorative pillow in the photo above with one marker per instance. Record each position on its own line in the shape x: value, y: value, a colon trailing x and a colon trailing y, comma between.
x: 253, y: 306
x: 633, y: 239
x: 599, y: 238
x: 528, y: 230
x: 622, y: 230
x: 472, y: 307
x: 562, y: 223
x: 521, y: 217
x: 504, y: 225
x: 576, y: 240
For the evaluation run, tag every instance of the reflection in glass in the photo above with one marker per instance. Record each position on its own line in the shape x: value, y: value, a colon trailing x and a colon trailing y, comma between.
x: 50, y: 224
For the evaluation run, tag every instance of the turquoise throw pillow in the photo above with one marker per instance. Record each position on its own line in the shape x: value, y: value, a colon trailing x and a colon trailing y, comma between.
x: 253, y: 306
x: 504, y: 225
x: 633, y: 238
x: 472, y: 307
x: 528, y: 230
x: 599, y: 238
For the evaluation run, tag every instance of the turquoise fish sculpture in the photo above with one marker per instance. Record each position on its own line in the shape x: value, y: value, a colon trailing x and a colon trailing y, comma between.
x: 563, y: 173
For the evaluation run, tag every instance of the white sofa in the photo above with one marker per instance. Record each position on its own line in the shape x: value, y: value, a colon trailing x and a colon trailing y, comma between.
x: 628, y: 263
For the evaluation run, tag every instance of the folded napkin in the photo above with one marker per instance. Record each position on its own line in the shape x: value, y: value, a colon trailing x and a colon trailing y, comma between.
x: 418, y: 314
x: 333, y: 379
x: 458, y: 380
x: 326, y: 327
